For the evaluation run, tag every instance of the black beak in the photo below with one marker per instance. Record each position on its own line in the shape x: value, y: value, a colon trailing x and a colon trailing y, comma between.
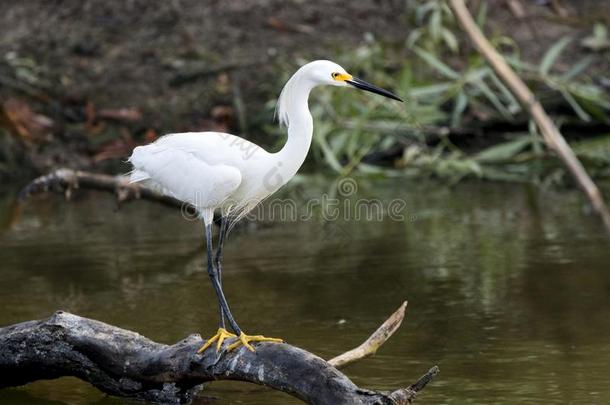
x: 362, y: 85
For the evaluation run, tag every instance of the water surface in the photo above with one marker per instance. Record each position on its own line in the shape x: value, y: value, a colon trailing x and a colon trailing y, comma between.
x: 508, y: 286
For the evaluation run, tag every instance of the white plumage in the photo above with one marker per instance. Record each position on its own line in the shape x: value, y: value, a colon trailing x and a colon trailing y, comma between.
x: 179, y: 165
x: 214, y: 170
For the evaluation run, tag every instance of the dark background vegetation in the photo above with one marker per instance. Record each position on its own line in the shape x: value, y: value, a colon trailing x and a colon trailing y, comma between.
x: 83, y: 82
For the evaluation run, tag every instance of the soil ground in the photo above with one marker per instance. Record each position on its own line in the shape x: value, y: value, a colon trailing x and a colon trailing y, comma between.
x: 179, y: 62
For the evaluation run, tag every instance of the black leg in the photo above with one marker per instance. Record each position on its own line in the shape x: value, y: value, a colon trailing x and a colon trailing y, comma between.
x: 218, y: 261
x: 214, y: 277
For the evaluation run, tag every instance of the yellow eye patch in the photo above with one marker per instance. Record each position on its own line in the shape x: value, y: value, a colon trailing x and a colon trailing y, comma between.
x: 341, y: 77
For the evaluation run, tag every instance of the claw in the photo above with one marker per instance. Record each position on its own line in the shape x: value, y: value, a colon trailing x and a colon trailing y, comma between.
x: 245, y: 340
x: 219, y: 338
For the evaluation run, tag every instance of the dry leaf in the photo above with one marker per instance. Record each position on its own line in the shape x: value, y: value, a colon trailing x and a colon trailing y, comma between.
x: 19, y: 119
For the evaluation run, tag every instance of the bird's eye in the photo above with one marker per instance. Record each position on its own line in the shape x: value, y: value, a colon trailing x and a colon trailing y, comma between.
x: 335, y: 75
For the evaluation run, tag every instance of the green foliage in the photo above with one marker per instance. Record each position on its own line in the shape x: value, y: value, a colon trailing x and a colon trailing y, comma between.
x: 434, y: 21
x: 446, y: 89
x: 599, y: 40
x: 587, y: 99
x: 595, y: 151
x: 503, y: 152
x: 550, y: 57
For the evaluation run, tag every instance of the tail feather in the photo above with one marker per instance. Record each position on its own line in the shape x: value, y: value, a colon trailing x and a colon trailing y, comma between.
x: 137, y: 159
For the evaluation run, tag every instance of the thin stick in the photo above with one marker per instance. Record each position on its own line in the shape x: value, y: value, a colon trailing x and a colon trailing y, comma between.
x: 552, y: 137
x: 67, y: 180
x: 374, y: 342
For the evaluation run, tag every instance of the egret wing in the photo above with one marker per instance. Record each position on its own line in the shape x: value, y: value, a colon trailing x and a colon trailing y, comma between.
x: 215, y: 147
x: 184, y: 175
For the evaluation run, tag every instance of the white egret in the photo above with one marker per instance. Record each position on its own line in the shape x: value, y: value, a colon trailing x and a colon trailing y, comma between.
x: 217, y: 171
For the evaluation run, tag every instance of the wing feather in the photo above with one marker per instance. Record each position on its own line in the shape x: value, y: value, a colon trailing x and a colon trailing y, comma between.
x: 183, y: 174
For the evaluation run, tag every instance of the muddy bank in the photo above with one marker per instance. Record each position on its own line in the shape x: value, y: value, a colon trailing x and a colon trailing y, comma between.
x: 171, y: 58
x: 106, y: 76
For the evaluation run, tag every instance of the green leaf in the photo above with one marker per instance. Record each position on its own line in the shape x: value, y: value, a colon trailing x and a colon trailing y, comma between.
x: 575, y: 106
x: 413, y: 37
x: 435, y: 25
x: 422, y: 10
x: 482, y: 15
x: 461, y: 102
x: 578, y: 68
x: 329, y: 156
x: 450, y: 40
x: 600, y: 31
x: 514, y: 62
x: 504, y: 151
x: 549, y: 58
x: 504, y: 174
x: 430, y: 90
x: 514, y: 106
x: 595, y: 149
x: 435, y: 63
x: 455, y: 168
x: 487, y: 92
x: 535, y: 136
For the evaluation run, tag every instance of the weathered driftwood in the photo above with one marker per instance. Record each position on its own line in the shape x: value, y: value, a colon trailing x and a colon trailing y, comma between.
x: 374, y: 342
x: 126, y: 364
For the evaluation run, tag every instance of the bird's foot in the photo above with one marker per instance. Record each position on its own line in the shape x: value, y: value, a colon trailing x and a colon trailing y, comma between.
x: 219, y: 337
x: 245, y: 340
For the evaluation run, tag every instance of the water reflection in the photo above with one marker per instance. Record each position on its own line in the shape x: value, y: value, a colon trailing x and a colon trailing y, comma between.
x: 509, y: 287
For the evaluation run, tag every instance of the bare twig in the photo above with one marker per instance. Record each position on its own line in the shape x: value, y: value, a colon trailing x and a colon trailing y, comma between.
x: 552, y: 137
x: 559, y: 9
x: 516, y: 8
x: 67, y: 180
x: 374, y: 342
x: 408, y: 394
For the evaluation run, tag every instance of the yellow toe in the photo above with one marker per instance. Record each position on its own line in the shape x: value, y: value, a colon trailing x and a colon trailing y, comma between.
x: 245, y: 340
x: 219, y: 338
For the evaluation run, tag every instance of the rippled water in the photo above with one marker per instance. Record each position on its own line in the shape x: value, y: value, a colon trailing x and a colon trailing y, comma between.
x: 508, y: 287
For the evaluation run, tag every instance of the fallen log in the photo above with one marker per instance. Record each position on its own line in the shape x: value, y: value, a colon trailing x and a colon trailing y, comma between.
x: 123, y: 363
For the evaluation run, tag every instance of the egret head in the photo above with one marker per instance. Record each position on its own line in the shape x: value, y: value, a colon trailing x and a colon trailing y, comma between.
x: 316, y: 73
x: 330, y: 73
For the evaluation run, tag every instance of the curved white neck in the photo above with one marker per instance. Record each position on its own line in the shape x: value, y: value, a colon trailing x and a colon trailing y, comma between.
x: 300, y: 127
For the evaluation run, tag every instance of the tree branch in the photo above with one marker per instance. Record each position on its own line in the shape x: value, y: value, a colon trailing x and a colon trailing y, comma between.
x: 374, y: 342
x: 552, y: 137
x: 67, y: 180
x: 126, y: 364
